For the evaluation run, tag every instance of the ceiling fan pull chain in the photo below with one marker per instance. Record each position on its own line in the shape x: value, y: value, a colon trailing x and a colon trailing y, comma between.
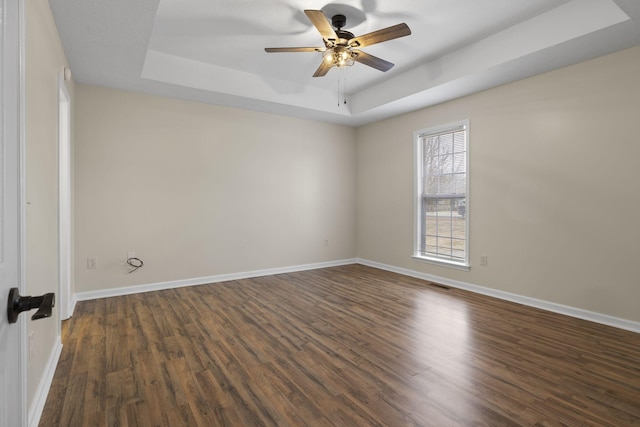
x: 344, y: 89
x: 340, y: 70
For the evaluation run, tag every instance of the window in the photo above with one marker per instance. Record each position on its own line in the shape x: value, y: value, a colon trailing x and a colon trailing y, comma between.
x: 442, y: 220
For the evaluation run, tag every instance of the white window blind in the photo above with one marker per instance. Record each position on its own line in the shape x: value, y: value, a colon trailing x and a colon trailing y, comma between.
x: 442, y: 208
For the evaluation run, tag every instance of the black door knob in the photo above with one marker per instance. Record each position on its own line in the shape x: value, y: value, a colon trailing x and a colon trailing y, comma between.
x: 17, y: 304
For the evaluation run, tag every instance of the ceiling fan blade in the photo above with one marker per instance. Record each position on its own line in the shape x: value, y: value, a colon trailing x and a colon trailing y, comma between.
x: 322, y: 70
x: 389, y: 33
x: 372, y: 61
x: 322, y: 24
x: 294, y: 49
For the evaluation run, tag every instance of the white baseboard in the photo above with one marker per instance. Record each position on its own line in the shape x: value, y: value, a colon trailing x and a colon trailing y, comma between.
x: 83, y: 296
x: 40, y: 398
x: 532, y: 302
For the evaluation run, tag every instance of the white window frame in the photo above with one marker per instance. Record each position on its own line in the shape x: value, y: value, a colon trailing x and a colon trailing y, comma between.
x: 419, y: 190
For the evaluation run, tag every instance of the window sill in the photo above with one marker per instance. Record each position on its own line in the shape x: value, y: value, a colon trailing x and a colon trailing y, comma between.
x: 443, y: 263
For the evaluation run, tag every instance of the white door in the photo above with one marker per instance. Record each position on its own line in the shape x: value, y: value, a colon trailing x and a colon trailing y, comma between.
x: 12, y: 373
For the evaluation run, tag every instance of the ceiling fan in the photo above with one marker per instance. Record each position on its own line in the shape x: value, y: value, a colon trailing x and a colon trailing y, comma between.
x: 341, y: 48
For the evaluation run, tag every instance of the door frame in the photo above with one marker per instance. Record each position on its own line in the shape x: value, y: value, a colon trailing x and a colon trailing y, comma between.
x: 64, y: 200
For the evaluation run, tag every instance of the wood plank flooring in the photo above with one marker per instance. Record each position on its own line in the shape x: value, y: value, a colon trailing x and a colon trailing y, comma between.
x: 343, y: 346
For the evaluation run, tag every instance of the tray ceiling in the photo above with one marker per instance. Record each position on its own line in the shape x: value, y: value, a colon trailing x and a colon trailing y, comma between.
x: 213, y: 51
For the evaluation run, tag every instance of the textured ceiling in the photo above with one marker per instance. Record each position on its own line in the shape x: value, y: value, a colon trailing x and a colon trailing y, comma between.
x: 213, y: 51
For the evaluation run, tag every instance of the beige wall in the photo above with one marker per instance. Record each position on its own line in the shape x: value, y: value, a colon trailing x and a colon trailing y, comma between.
x: 198, y: 190
x: 44, y: 61
x: 554, y: 196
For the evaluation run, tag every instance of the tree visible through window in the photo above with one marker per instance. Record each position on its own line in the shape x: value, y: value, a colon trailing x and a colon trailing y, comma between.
x: 442, y: 217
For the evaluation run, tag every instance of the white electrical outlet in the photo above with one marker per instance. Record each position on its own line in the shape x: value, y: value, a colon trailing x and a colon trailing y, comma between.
x: 326, y: 243
x: 92, y: 263
x: 131, y: 255
x: 484, y: 259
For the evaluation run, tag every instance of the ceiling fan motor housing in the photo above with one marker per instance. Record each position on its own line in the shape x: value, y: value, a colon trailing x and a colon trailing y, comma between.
x: 339, y: 21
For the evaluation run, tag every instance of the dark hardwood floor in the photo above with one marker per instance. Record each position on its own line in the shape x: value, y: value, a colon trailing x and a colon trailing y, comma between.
x: 343, y: 346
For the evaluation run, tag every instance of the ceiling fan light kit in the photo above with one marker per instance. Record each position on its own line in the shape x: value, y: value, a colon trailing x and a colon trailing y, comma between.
x: 339, y: 57
x: 341, y: 48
